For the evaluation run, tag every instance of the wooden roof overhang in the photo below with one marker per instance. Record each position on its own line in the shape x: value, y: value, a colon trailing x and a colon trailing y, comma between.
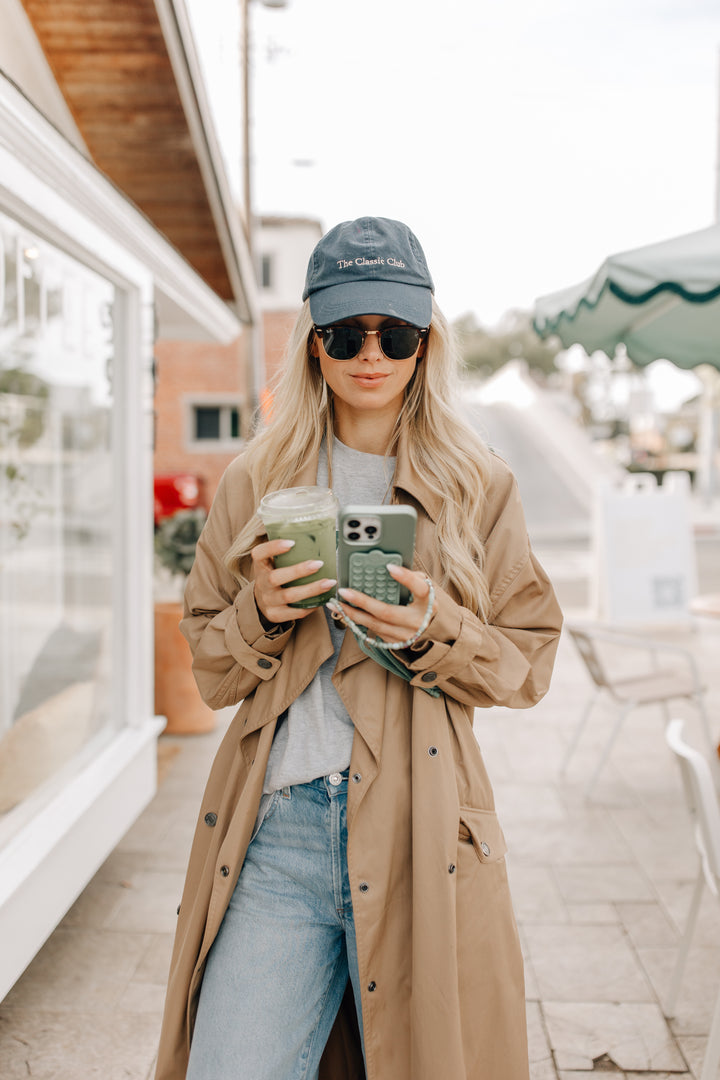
x: 128, y: 72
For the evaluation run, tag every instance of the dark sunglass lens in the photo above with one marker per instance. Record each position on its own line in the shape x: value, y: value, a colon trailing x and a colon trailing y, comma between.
x: 342, y: 342
x: 400, y: 342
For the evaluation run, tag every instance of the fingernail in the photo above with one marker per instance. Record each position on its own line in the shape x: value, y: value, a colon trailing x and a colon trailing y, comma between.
x: 329, y: 581
x: 315, y: 564
x: 287, y: 544
x: 344, y: 592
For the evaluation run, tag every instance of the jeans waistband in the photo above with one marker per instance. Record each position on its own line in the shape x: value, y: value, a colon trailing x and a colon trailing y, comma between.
x: 334, y: 783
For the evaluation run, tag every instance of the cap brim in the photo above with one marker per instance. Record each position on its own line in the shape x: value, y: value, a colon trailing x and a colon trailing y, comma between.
x: 411, y: 303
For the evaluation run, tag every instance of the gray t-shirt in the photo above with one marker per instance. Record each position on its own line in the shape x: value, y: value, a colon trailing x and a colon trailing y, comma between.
x: 315, y: 738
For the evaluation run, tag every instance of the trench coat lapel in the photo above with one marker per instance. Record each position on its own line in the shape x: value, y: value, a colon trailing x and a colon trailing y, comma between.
x: 408, y: 479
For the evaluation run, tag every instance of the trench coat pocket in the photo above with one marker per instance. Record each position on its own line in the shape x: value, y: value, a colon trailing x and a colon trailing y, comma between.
x: 482, y: 829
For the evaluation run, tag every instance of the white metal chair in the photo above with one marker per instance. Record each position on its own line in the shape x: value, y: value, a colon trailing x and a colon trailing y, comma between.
x: 702, y: 802
x: 652, y: 684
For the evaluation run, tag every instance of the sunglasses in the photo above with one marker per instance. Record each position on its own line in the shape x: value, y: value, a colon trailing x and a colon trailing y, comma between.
x: 345, y: 342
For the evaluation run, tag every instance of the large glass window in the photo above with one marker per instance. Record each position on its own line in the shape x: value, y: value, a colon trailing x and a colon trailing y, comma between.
x: 56, y: 517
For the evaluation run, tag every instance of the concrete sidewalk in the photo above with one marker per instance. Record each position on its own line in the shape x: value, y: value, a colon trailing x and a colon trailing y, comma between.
x: 600, y: 888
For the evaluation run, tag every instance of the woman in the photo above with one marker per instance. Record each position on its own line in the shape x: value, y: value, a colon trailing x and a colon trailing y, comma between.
x: 346, y: 905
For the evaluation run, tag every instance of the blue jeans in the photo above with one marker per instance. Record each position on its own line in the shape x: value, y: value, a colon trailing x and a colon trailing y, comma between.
x: 278, y: 969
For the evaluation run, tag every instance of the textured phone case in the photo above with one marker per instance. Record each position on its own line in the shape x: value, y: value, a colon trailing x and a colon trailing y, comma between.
x: 368, y: 574
x: 394, y: 542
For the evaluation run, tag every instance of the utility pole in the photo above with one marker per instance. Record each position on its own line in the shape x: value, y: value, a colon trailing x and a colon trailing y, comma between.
x: 256, y: 343
x: 254, y: 366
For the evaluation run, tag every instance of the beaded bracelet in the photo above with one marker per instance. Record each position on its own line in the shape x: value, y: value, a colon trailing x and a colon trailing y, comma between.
x: 362, y: 635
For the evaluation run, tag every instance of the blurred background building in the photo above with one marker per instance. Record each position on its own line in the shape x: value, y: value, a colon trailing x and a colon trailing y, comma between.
x: 202, y: 412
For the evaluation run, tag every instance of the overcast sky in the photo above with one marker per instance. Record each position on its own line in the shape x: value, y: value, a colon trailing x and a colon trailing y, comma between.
x: 522, y: 141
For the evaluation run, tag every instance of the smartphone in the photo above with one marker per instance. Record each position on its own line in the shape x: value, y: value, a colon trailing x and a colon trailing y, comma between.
x: 369, y: 538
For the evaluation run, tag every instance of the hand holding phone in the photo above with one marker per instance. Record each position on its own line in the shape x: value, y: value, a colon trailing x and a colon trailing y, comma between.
x: 382, y: 625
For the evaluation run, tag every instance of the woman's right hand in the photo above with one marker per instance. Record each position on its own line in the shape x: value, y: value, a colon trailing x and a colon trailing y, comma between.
x: 271, y: 598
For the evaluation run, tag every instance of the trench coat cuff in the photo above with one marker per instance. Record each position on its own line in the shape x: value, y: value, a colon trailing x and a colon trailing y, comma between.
x: 436, y: 649
x: 249, y: 641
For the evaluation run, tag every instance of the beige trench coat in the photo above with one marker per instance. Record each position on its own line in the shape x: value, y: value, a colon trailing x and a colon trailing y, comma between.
x: 438, y: 952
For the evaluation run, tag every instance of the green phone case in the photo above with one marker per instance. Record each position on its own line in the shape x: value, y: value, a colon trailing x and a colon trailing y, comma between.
x: 370, y: 537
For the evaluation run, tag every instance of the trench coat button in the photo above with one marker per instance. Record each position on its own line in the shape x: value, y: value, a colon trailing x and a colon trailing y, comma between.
x: 356, y: 778
x: 224, y: 870
x: 451, y: 868
x: 485, y: 848
x: 211, y: 819
x: 371, y: 986
x: 363, y: 886
x: 433, y: 751
x: 264, y: 663
x: 429, y: 676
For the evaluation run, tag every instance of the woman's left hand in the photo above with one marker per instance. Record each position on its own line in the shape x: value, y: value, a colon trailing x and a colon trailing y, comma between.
x: 391, y: 622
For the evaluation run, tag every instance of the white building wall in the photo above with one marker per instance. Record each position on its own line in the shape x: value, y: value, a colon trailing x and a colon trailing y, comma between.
x: 286, y: 243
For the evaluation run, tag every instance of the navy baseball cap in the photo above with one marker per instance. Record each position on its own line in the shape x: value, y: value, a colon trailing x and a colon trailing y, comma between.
x: 372, y: 266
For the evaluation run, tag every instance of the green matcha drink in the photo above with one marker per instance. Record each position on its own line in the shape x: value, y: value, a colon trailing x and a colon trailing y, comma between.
x: 307, y: 515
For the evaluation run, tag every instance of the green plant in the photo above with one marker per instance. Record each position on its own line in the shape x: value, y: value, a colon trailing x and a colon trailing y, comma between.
x: 176, y: 538
x: 24, y: 400
x: 29, y: 422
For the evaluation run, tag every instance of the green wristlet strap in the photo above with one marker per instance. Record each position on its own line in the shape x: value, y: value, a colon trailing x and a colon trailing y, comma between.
x: 382, y: 651
x: 387, y: 660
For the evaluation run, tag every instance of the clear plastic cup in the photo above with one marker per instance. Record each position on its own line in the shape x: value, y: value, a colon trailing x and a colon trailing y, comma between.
x: 307, y: 515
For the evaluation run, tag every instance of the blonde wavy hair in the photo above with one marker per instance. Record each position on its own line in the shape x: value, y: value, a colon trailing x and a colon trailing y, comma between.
x: 452, y: 459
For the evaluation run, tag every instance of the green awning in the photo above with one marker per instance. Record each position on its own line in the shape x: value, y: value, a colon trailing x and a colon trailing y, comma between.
x: 661, y: 301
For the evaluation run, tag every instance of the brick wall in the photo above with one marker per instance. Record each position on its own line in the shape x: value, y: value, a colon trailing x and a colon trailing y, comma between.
x: 276, y: 330
x: 185, y: 369
x: 207, y: 372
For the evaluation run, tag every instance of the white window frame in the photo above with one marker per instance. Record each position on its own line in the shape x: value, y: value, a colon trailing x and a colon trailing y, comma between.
x: 223, y: 401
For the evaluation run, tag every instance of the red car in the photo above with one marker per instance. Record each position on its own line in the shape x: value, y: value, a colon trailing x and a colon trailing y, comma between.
x: 177, y: 491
